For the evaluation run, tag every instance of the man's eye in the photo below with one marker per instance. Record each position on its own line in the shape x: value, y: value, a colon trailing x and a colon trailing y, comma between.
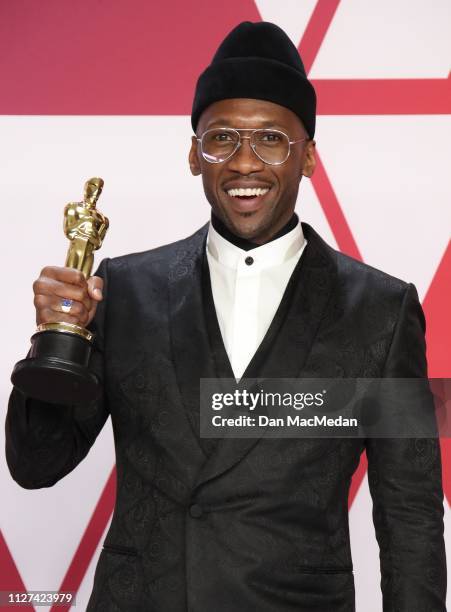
x: 223, y: 137
x: 271, y: 137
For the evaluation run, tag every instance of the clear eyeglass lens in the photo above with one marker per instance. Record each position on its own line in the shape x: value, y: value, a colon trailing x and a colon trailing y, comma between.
x: 218, y: 145
x: 271, y: 146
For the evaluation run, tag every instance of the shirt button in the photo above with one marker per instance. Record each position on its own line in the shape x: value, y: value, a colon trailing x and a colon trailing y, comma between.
x: 196, y: 511
x: 249, y: 260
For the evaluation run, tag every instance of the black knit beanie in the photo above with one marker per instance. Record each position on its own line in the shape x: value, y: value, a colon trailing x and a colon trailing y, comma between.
x: 257, y: 60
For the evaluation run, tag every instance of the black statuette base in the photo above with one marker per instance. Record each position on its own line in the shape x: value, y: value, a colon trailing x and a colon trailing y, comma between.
x: 56, y: 369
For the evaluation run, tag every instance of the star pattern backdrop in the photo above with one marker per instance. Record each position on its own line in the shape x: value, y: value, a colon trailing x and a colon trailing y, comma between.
x: 104, y: 88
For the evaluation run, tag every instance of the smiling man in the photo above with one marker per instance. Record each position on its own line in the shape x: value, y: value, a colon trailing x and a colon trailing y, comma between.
x: 241, y: 524
x: 251, y: 171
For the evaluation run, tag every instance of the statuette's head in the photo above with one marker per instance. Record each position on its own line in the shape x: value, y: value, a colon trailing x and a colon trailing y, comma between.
x: 93, y: 189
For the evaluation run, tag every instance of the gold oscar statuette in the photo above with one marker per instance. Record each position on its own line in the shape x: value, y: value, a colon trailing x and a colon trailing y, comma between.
x: 56, y: 368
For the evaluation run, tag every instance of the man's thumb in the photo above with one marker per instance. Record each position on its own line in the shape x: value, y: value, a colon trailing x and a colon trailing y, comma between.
x: 95, y: 287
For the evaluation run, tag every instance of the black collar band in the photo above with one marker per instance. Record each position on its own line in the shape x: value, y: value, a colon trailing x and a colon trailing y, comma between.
x: 243, y: 243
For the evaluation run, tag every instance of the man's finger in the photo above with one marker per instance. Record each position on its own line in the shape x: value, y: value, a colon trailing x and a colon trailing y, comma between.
x: 64, y: 275
x: 95, y: 287
x: 51, y: 287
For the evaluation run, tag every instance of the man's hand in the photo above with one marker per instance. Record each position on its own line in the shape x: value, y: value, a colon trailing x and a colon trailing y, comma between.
x: 58, y: 283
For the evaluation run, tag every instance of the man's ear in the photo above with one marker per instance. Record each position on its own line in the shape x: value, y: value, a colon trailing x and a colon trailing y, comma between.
x: 193, y: 157
x: 309, y: 159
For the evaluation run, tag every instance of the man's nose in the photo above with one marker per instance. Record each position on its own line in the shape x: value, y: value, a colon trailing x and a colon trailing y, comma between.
x: 244, y: 160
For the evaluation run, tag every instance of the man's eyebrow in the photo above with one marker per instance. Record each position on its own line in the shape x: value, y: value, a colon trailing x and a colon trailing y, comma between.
x: 263, y: 125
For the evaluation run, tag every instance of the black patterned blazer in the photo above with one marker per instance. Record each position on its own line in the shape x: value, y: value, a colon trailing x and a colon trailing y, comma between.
x: 242, y: 525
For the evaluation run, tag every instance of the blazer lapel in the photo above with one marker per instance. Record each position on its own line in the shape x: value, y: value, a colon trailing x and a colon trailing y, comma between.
x: 288, y: 342
x: 189, y: 339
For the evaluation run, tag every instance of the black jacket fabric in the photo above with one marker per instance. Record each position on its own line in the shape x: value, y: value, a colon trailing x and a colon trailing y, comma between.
x: 243, y: 524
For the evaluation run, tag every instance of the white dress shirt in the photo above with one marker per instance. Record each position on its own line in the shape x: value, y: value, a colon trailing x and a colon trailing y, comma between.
x: 247, y: 295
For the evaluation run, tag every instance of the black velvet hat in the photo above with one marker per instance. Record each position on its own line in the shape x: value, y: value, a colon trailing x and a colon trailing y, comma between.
x: 257, y: 60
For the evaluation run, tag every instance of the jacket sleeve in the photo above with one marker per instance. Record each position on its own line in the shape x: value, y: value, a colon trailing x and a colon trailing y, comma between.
x: 45, y: 441
x: 405, y: 482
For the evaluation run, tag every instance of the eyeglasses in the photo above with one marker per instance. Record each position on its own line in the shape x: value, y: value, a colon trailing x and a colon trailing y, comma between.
x: 271, y: 146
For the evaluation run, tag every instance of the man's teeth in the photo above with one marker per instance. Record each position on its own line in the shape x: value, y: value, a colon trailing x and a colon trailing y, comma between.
x: 247, y: 192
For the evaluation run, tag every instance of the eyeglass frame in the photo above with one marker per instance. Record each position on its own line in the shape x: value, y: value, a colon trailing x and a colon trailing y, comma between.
x: 240, y: 138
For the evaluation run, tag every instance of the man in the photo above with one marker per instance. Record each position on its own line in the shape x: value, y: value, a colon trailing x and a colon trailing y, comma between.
x: 241, y: 524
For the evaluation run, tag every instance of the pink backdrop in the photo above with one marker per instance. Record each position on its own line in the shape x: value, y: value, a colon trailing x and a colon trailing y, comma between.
x: 105, y: 88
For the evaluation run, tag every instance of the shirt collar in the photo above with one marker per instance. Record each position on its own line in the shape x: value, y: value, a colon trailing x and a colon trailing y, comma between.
x: 267, y: 255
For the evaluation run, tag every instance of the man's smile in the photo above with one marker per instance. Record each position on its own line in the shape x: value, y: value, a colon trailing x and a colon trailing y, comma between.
x: 247, y: 192
x: 246, y: 197
x: 247, y: 200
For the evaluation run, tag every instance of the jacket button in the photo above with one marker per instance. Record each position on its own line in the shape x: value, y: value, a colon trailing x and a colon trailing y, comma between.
x: 249, y: 260
x: 196, y: 511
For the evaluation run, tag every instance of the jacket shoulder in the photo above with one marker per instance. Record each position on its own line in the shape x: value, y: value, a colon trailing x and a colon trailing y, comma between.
x: 355, y: 270
x: 158, y: 258
x: 354, y: 273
